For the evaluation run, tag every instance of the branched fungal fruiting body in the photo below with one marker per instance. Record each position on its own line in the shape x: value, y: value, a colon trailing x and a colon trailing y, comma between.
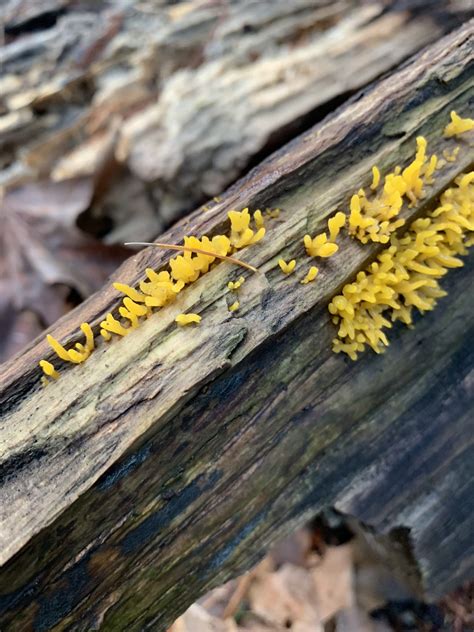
x: 458, y: 125
x: 235, y: 285
x: 319, y: 246
x: 405, y: 275
x: 374, y: 218
x: 312, y: 274
x: 49, y: 371
x: 287, y: 268
x: 161, y: 288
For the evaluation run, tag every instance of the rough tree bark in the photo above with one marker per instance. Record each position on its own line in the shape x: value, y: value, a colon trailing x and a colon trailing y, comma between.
x: 174, y: 101
x: 168, y: 461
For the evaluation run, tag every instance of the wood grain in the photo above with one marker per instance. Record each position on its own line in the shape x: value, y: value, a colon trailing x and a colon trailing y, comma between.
x: 170, y: 460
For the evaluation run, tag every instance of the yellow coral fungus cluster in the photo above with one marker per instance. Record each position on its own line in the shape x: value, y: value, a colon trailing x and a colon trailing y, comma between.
x: 161, y: 288
x: 458, y: 125
x: 405, y: 275
x: 374, y: 218
x: 321, y: 246
x: 241, y: 233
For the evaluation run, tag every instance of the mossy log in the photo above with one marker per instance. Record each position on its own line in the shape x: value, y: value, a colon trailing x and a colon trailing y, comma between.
x: 169, y: 460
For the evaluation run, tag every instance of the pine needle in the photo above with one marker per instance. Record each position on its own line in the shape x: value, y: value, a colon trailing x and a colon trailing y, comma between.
x: 195, y: 250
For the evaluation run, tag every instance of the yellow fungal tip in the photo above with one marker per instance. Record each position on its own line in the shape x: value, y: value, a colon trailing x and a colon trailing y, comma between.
x: 287, y: 268
x: 235, y: 285
x: 48, y: 369
x: 458, y: 125
x: 335, y: 224
x: 375, y: 178
x: 311, y: 275
x: 234, y: 307
x: 131, y: 292
x: 187, y: 319
x: 258, y: 219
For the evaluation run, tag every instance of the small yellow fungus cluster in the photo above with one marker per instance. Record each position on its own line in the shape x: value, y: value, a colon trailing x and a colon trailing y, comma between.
x: 287, y: 268
x: 458, y: 125
x: 78, y: 354
x: 49, y: 371
x: 187, y: 319
x: 161, y: 288
x: 374, y: 219
x: 234, y: 307
x: 241, y: 234
x: 450, y: 156
x: 312, y: 274
x: 405, y: 275
x: 235, y: 285
x: 321, y: 246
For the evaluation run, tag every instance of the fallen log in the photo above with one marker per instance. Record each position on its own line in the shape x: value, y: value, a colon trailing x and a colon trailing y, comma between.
x: 170, y: 459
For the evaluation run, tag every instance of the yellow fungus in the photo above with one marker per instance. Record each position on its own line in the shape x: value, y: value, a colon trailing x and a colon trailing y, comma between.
x: 187, y: 319
x: 431, y: 168
x: 458, y: 125
x: 58, y: 348
x: 335, y: 224
x: 375, y: 178
x: 48, y: 369
x: 135, y: 295
x: 374, y: 218
x: 406, y: 274
x: 235, y: 285
x: 234, y: 307
x: 287, y: 268
x: 78, y: 355
x: 450, y: 156
x: 258, y: 219
x: 239, y: 220
x: 311, y: 275
x: 87, y: 331
x: 319, y: 246
x: 114, y: 326
x: 135, y: 308
x: 161, y: 288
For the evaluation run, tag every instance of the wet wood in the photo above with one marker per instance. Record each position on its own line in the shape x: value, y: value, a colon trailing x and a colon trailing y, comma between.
x: 169, y: 460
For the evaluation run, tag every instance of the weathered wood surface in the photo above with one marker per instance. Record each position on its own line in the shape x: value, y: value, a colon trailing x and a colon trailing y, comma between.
x: 170, y: 102
x: 169, y: 460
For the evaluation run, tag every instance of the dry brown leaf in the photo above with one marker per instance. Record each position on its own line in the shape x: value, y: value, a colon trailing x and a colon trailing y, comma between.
x: 286, y: 598
x: 43, y: 255
x: 197, y: 619
x: 332, y: 580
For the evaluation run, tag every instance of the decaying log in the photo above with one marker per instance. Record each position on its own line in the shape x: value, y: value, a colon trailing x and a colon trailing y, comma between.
x: 169, y: 460
x: 177, y: 100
